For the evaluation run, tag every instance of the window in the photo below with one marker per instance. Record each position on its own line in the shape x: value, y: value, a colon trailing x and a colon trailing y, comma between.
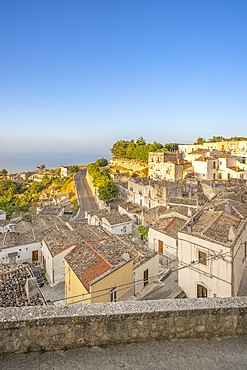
x: 140, y: 202
x: 213, y: 164
x: 145, y: 277
x: 202, y: 257
x: 113, y: 294
x: 201, y: 291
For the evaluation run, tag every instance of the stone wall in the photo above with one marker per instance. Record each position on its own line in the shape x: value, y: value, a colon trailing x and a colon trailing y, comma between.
x: 101, y: 203
x: 129, y: 164
x: 52, y: 328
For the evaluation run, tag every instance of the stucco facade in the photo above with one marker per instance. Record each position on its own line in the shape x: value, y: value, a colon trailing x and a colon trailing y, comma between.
x: 101, y: 289
x: 210, y: 267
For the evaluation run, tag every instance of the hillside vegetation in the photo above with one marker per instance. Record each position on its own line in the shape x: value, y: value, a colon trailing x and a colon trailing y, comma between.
x: 139, y: 149
x: 17, y: 199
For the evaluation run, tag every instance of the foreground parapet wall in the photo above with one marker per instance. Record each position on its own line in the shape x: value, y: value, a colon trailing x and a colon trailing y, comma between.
x: 52, y: 328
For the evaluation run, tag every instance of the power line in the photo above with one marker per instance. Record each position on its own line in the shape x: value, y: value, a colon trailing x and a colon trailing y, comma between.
x: 191, y: 264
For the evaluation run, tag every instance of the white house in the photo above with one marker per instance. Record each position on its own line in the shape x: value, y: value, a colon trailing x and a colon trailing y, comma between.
x: 152, y: 193
x: 212, y: 250
x: 164, y: 165
x: 56, y: 244
x: 20, y: 244
x: 163, y: 235
x: 114, y: 222
x: 205, y: 167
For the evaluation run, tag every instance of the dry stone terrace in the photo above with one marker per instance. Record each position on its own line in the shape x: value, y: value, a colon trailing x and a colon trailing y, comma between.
x: 13, y: 279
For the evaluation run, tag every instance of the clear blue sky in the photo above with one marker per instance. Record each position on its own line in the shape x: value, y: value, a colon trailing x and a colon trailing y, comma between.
x: 78, y: 75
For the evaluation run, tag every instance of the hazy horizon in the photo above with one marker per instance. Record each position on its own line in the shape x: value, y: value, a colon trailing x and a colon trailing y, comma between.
x: 23, y: 162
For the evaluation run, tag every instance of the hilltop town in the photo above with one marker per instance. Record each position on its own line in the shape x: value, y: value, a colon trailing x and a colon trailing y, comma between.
x: 169, y: 224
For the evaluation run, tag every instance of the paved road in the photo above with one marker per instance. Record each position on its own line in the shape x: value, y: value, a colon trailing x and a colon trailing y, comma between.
x: 85, y: 197
x: 183, y: 354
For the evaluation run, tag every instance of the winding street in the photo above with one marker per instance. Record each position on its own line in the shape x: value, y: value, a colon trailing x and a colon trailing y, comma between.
x: 84, y: 195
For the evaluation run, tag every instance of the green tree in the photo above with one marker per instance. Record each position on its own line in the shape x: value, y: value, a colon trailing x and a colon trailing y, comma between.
x: 74, y: 169
x: 143, y: 231
x: 108, y: 191
x: 41, y: 168
x: 119, y: 148
x: 3, y: 172
x: 101, y: 162
x: 156, y: 147
x: 200, y: 140
x: 140, y: 141
x: 130, y: 149
x: 214, y: 139
x: 171, y: 146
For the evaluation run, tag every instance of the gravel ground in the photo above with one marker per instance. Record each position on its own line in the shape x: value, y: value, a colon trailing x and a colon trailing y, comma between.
x: 55, y: 293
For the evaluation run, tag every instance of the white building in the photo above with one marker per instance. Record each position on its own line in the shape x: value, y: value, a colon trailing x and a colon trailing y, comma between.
x: 163, y: 235
x: 205, y: 168
x: 114, y: 222
x: 20, y: 244
x: 212, y: 250
x: 164, y: 166
x: 56, y: 244
x: 152, y: 193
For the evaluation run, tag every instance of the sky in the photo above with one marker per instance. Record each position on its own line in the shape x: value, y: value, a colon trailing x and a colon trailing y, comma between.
x: 78, y: 75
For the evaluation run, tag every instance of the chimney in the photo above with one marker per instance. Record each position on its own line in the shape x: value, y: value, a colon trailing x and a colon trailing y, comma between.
x: 228, y: 208
x: 31, y: 288
x: 189, y: 212
x: 232, y: 234
x: 190, y: 227
x: 126, y: 257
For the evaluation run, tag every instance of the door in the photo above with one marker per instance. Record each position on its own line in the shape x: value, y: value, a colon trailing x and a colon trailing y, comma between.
x: 160, y: 246
x: 35, y: 255
x: 201, y: 291
x: 113, y: 294
x: 145, y: 277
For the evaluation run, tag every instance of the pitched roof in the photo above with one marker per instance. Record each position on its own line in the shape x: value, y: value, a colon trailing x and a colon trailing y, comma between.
x: 90, y: 261
x: 169, y: 226
x: 214, y: 222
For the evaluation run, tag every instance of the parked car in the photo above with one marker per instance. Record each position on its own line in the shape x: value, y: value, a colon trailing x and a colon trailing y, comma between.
x: 38, y: 275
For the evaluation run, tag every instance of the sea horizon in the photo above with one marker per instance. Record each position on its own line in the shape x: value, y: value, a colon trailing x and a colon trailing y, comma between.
x: 16, y: 162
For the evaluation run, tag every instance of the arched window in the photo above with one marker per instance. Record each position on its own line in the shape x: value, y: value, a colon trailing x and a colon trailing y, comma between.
x: 201, y: 291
